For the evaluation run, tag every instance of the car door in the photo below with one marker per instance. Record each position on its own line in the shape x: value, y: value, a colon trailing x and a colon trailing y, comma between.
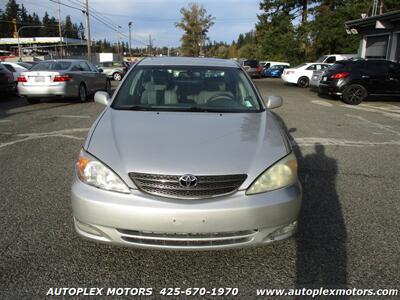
x: 309, y: 70
x: 99, y: 78
x: 376, y: 76
x: 87, y: 76
x: 393, y: 85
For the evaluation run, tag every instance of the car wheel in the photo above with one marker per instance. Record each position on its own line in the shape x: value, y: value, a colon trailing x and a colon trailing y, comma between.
x: 33, y: 100
x: 108, y: 86
x: 354, y: 94
x: 82, y: 93
x: 303, y: 82
x: 117, y: 76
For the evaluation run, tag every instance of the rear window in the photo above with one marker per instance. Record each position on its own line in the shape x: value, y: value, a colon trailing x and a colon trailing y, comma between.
x: 51, y: 66
x: 10, y: 68
x: 299, y: 66
x: 340, y: 66
x: 251, y: 63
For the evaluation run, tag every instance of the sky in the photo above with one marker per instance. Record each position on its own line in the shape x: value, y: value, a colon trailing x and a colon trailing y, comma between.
x: 155, y: 17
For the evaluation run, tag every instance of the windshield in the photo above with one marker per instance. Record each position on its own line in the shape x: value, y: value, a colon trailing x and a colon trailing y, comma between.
x: 251, y: 63
x: 299, y: 66
x: 51, y: 66
x: 187, y: 88
x: 322, y: 58
x: 275, y: 67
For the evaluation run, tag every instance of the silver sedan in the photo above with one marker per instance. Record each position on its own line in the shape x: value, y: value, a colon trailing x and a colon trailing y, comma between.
x: 62, y: 78
x: 186, y: 155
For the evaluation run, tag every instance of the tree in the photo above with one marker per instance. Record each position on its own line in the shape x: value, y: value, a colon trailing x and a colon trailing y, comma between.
x: 196, y: 23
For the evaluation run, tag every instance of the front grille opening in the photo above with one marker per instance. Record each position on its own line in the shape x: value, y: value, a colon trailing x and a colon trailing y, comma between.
x: 137, y: 233
x: 168, y: 185
x: 187, y: 239
x: 184, y: 243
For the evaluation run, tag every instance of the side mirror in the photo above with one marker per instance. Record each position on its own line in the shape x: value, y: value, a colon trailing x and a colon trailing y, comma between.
x: 100, y: 70
x: 274, y: 102
x: 102, y: 98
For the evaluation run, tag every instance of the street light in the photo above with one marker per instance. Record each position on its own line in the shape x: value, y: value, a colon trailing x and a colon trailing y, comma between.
x: 23, y: 27
x: 130, y: 39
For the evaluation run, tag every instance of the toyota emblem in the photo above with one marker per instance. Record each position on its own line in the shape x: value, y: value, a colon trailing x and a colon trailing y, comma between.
x: 188, y: 181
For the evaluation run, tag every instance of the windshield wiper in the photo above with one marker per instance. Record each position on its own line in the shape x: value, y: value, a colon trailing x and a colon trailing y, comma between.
x: 136, y: 107
x: 205, y: 109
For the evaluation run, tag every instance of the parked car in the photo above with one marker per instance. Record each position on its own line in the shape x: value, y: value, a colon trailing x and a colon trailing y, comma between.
x: 355, y: 80
x: 301, y: 75
x: 268, y: 64
x: 274, y: 71
x: 114, y: 69
x: 62, y: 78
x: 15, y: 68
x: 7, y: 83
x: 315, y: 79
x: 182, y: 159
x: 332, y: 58
x: 252, y: 67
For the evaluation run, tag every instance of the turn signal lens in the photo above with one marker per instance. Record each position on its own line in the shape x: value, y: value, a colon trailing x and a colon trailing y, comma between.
x: 340, y: 75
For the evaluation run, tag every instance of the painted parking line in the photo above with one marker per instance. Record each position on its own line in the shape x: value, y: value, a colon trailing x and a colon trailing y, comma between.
x: 5, y: 121
x: 375, y: 125
x: 73, y: 116
x: 322, y: 102
x: 65, y: 133
x: 361, y: 107
x: 312, y: 141
x: 385, y: 107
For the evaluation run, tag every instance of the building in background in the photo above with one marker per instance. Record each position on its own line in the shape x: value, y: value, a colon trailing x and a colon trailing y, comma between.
x: 49, y: 47
x: 380, y: 36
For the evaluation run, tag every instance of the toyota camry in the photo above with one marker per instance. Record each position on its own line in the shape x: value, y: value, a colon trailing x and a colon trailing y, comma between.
x: 186, y: 155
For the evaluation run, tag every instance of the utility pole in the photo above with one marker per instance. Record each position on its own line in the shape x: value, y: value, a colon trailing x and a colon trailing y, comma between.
x: 130, y: 39
x: 150, y: 45
x: 88, y: 38
x: 59, y: 28
x: 118, y: 38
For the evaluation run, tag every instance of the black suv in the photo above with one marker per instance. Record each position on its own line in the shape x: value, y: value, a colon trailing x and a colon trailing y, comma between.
x: 355, y: 80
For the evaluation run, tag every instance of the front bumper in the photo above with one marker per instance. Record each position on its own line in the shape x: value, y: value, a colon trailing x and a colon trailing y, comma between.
x: 146, y: 221
x: 327, y: 89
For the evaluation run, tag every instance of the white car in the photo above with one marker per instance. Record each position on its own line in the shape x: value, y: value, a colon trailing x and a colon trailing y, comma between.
x: 15, y: 68
x: 301, y: 75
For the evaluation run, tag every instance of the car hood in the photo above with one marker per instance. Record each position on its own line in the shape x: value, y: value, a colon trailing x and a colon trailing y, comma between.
x: 175, y: 143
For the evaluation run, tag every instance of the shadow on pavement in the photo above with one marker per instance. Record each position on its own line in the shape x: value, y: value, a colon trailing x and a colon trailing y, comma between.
x: 321, y: 238
x: 23, y: 106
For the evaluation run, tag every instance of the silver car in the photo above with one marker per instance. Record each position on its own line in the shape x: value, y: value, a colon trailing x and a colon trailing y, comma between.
x: 62, y: 78
x: 315, y: 79
x: 186, y: 155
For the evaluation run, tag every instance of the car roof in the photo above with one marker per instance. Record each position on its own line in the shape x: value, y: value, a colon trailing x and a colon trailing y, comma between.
x: 188, y: 61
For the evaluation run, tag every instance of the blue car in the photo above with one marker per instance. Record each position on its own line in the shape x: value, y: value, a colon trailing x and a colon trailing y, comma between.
x: 274, y: 71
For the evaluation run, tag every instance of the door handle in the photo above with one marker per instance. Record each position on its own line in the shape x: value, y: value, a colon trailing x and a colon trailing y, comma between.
x: 365, y: 76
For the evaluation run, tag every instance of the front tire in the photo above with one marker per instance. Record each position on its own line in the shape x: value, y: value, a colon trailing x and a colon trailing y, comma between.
x: 117, y: 76
x: 82, y: 93
x: 303, y: 82
x: 354, y: 94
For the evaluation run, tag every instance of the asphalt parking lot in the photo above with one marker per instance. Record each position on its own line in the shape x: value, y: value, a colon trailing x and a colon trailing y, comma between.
x: 349, y: 228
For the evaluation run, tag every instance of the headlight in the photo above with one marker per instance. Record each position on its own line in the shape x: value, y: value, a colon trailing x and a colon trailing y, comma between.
x: 93, y: 172
x: 282, y: 173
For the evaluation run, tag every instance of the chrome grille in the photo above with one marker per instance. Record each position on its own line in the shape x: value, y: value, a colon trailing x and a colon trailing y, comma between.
x: 187, y: 239
x: 168, y: 185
